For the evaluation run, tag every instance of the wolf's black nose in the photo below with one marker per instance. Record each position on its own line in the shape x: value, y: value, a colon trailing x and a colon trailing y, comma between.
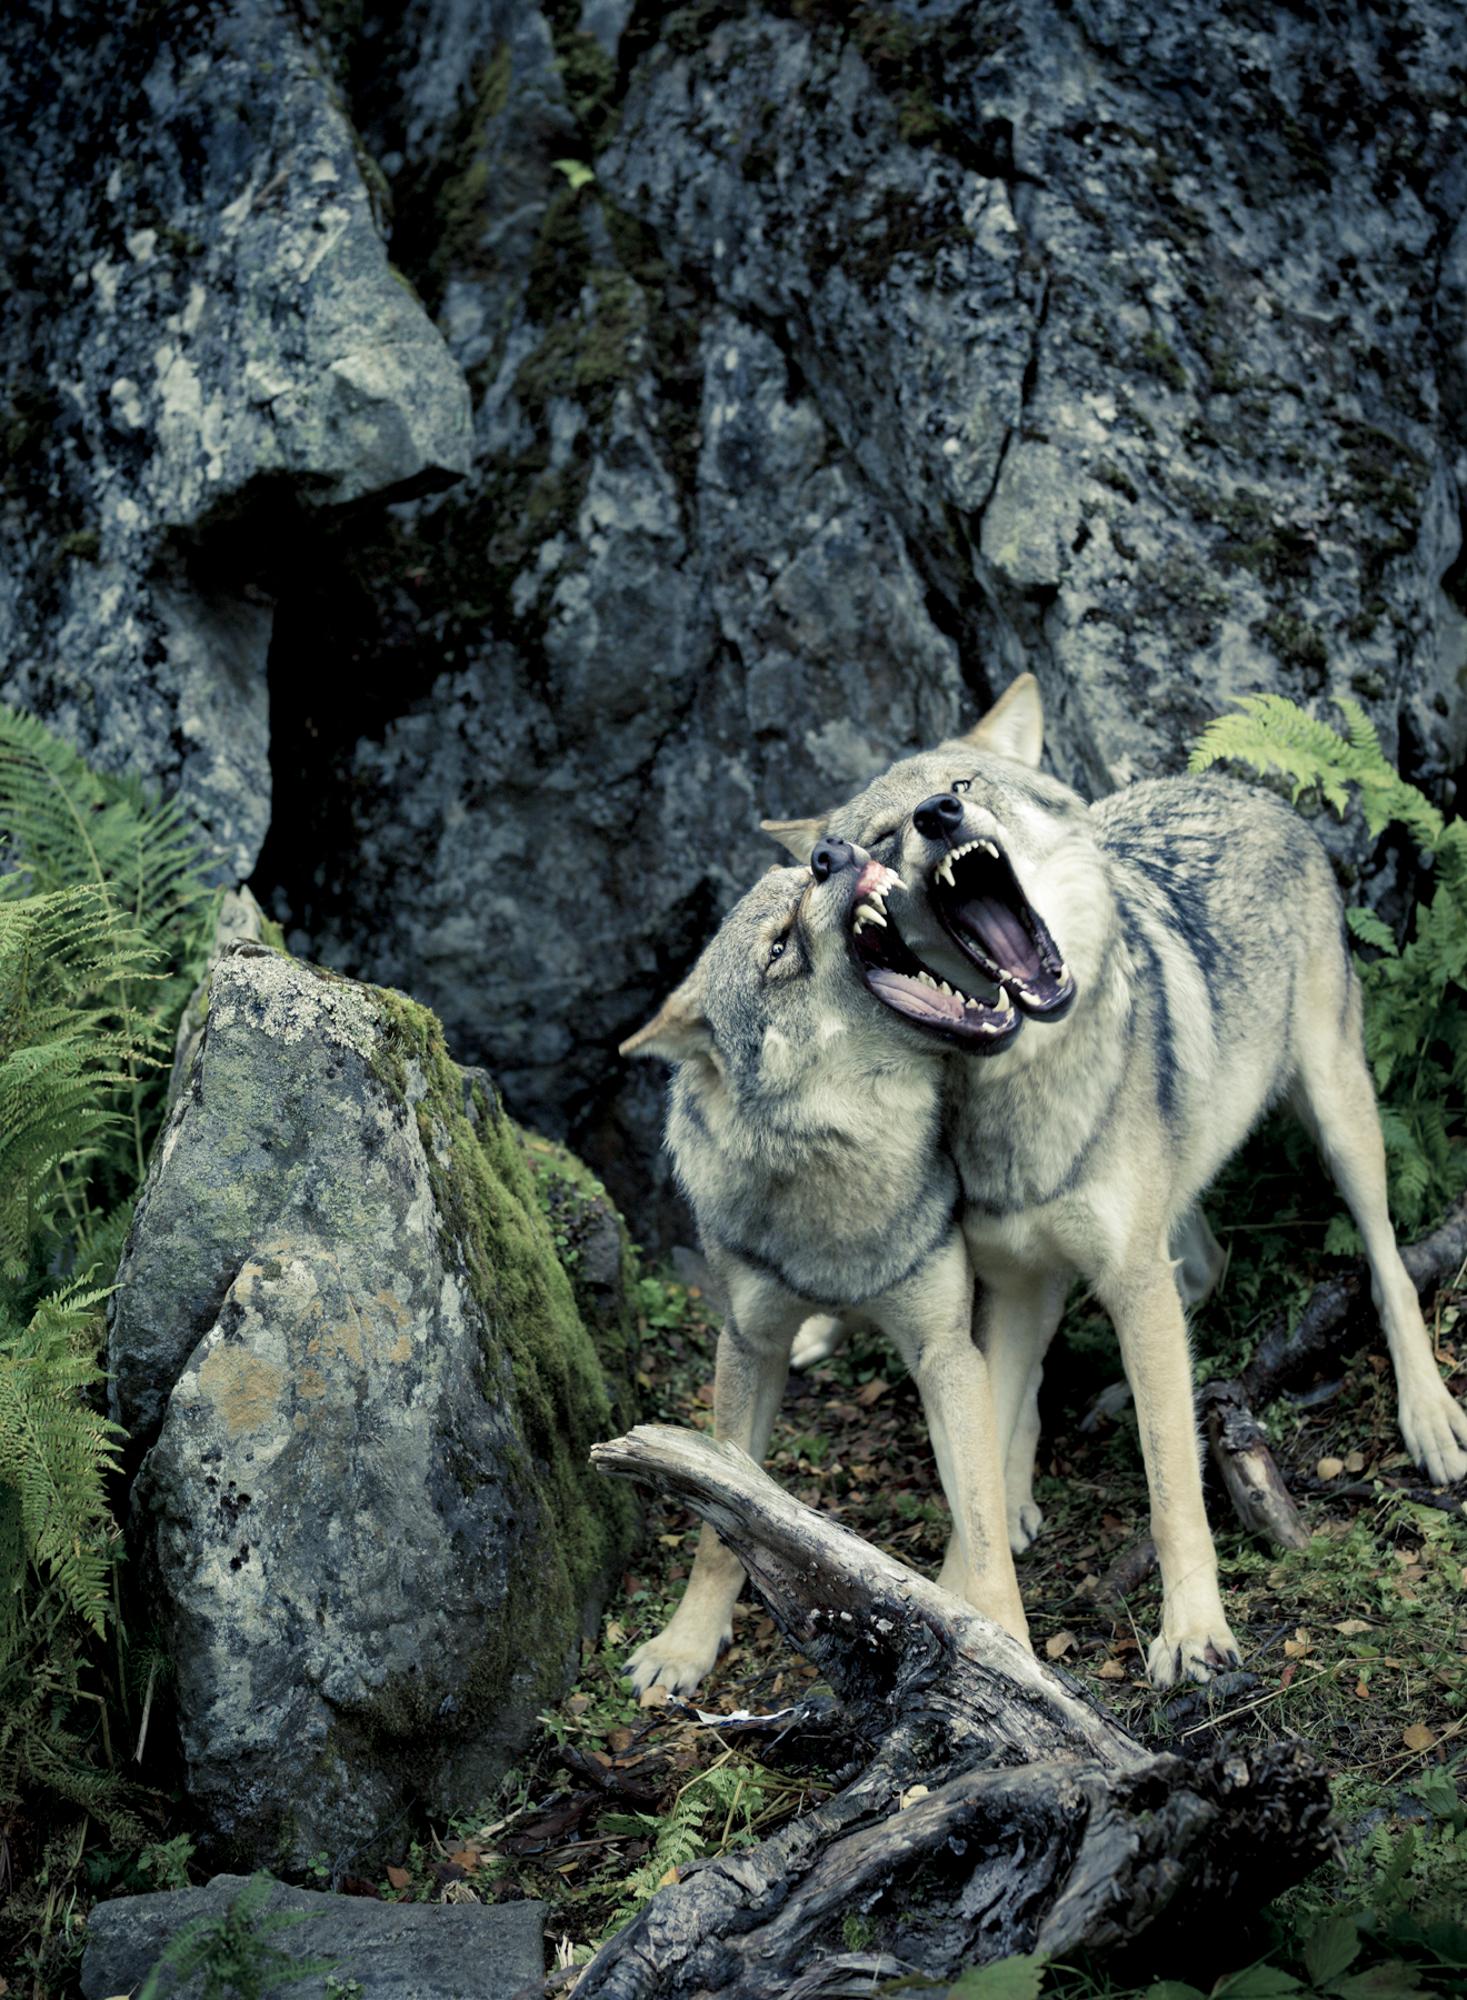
x: 829, y: 855
x: 938, y: 816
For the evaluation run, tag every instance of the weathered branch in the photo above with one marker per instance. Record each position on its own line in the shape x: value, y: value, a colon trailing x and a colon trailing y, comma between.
x: 1000, y: 1812
x: 1247, y: 1467
x: 1336, y: 1308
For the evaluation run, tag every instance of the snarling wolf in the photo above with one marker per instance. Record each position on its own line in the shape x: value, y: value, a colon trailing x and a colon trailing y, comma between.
x: 1166, y: 963
x: 804, y: 1125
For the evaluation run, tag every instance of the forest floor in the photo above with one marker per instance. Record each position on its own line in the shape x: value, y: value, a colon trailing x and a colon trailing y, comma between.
x: 1357, y: 1646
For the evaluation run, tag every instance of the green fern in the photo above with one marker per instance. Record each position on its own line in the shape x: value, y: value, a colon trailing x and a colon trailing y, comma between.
x: 56, y: 1451
x: 1415, y: 1017
x: 71, y: 1049
x: 104, y: 922
x: 65, y: 828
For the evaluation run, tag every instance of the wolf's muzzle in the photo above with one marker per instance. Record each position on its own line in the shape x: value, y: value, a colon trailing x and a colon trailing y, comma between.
x: 828, y: 857
x: 939, y: 817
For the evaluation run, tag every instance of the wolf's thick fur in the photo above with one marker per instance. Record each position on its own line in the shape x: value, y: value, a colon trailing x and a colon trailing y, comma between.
x: 804, y: 1124
x: 1202, y: 927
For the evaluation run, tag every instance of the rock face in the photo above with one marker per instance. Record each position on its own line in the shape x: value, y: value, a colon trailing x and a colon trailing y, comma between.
x: 391, y: 1951
x: 829, y: 366
x: 203, y: 334
x: 366, y: 1515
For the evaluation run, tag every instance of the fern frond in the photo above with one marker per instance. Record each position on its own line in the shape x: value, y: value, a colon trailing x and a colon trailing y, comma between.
x: 56, y: 1451
x: 67, y: 825
x: 1368, y: 927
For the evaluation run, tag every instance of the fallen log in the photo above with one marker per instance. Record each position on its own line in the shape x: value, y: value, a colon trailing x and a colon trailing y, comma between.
x: 999, y: 1812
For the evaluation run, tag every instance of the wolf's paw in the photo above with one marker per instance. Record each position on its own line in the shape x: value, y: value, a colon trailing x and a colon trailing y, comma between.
x: 1434, y: 1426
x: 819, y: 1337
x: 1025, y: 1521
x: 1191, y: 1656
x: 676, y: 1660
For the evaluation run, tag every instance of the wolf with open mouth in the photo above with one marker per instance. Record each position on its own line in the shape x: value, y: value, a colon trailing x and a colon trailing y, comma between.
x: 804, y: 1126
x: 1138, y: 980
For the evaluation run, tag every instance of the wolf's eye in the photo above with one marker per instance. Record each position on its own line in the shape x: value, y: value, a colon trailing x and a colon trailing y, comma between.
x: 776, y: 950
x: 886, y: 833
x: 961, y: 785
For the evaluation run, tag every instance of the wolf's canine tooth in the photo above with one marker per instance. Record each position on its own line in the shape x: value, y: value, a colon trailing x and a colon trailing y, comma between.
x: 868, y: 913
x: 988, y: 848
x: 945, y: 872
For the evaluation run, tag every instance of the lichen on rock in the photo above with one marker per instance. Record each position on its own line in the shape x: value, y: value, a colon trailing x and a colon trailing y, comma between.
x: 366, y: 1519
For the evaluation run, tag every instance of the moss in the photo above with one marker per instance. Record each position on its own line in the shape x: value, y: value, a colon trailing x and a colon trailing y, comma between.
x: 1189, y: 600
x: 441, y: 222
x: 1298, y: 645
x: 495, y: 1234
x: 1277, y: 552
x: 1157, y: 353
x: 1107, y: 473
x: 587, y: 75
x: 84, y: 546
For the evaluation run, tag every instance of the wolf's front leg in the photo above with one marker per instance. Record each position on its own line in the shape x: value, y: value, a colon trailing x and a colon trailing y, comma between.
x: 931, y: 1320
x: 1195, y: 1638
x: 748, y: 1381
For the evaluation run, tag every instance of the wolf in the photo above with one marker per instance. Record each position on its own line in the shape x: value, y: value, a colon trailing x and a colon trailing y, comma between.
x: 804, y: 1124
x: 1178, y: 961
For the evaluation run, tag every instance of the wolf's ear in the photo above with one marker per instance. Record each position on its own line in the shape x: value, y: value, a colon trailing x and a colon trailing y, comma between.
x: 796, y: 836
x: 679, y: 1029
x: 1014, y: 726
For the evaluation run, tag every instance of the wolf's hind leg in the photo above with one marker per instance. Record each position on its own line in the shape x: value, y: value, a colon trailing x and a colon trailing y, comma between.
x: 1334, y: 1097
x: 748, y: 1381
x: 1016, y: 1320
x: 820, y: 1336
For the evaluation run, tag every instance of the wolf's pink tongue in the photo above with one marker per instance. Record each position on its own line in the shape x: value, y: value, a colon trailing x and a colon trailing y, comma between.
x: 1000, y: 933
x: 914, y: 997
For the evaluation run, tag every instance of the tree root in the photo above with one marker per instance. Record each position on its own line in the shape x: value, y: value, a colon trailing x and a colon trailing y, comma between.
x: 1000, y: 1811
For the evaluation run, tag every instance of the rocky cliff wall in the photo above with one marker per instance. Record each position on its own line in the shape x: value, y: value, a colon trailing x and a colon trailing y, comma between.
x: 827, y: 365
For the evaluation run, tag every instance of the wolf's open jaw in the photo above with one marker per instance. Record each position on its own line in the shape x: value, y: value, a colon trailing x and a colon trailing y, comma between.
x: 976, y: 894
x: 901, y: 981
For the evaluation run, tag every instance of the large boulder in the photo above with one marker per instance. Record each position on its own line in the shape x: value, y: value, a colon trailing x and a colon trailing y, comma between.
x: 381, y: 1951
x: 366, y: 1517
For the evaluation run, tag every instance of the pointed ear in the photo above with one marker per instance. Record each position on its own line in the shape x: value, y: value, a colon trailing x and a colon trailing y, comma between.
x: 796, y: 836
x: 1014, y: 726
x: 679, y: 1028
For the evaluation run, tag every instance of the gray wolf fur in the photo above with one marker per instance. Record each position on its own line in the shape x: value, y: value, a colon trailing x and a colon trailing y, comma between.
x: 804, y: 1124
x: 1183, y: 949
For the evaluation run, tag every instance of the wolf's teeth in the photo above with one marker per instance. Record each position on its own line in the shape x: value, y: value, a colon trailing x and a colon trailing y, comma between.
x: 971, y: 1005
x: 989, y: 848
x: 943, y: 987
x: 927, y: 979
x: 945, y: 872
x: 869, y: 914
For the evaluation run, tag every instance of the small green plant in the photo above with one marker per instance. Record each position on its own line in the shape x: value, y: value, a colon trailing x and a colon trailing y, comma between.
x: 1415, y: 1015
x: 714, y: 1812
x: 165, y: 1863
x: 233, y: 1954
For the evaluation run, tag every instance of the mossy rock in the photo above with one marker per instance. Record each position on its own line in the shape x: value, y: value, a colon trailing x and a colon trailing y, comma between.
x: 368, y: 1522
